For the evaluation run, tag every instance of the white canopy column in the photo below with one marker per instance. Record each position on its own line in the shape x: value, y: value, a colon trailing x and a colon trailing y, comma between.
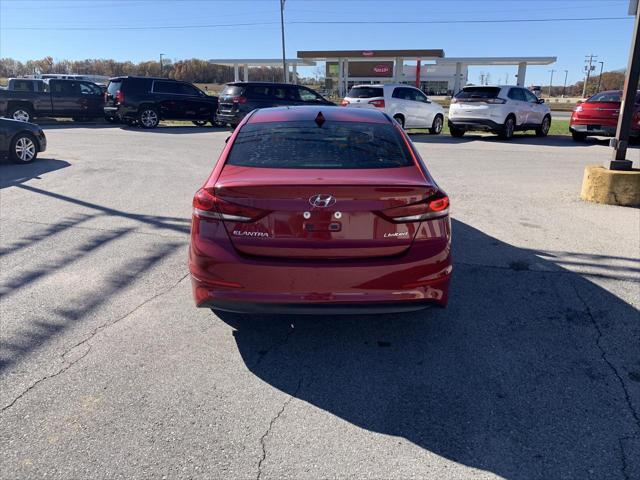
x: 346, y: 76
x: 522, y: 71
x: 294, y: 74
x: 236, y: 73
x: 456, y: 80
x: 245, y: 69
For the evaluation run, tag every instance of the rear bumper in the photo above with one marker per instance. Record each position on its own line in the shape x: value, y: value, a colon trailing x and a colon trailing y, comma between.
x: 225, y: 279
x: 474, y: 124
x: 230, y: 118
x: 318, y: 308
x: 599, y: 130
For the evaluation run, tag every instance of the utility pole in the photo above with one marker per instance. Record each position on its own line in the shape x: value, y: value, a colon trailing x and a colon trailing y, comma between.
x: 588, y: 68
x: 284, y: 61
x: 564, y: 87
x: 551, y: 82
x: 600, y: 77
x: 161, y: 55
x: 621, y: 140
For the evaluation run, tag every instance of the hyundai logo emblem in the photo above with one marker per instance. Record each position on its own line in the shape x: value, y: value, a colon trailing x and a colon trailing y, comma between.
x: 322, y: 200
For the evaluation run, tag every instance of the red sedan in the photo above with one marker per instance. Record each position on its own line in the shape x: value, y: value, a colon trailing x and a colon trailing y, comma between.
x: 317, y: 210
x: 599, y: 116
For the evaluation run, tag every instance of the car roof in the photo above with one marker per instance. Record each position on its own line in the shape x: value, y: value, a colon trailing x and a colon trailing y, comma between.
x: 139, y: 77
x: 310, y: 113
x: 244, y: 84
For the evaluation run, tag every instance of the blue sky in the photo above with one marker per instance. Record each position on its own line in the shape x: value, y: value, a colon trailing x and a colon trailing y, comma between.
x: 102, y: 29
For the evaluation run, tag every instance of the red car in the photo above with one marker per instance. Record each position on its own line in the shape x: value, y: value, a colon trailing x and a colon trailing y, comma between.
x: 317, y: 210
x: 599, y: 116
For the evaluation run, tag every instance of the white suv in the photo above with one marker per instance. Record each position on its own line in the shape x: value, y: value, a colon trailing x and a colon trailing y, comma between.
x: 406, y: 104
x: 498, y: 109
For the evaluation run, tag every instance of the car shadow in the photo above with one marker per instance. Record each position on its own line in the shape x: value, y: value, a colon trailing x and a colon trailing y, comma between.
x: 13, y: 174
x: 531, y: 372
x: 518, y: 139
x: 175, y: 129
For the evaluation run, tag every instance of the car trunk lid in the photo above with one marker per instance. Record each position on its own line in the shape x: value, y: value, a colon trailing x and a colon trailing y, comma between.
x: 319, y: 213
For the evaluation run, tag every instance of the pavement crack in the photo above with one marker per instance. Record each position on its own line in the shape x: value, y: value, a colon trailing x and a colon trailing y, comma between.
x: 603, y: 356
x: 64, y: 368
x: 85, y: 341
x: 274, y: 346
x: 263, y: 438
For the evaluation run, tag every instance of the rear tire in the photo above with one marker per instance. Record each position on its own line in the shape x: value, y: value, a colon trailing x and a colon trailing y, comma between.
x: 20, y: 113
x: 148, y: 117
x: 508, y: 128
x: 543, y: 129
x: 436, y: 127
x: 456, y: 132
x: 24, y: 148
x: 400, y: 120
x: 578, y: 136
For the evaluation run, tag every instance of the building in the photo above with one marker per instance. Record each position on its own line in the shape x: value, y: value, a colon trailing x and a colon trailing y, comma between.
x: 428, y: 69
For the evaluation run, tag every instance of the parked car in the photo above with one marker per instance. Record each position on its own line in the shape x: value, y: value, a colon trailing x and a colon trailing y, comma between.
x: 498, y: 109
x: 58, y: 98
x: 21, y: 141
x: 239, y: 98
x: 146, y: 100
x: 408, y: 105
x: 599, y: 114
x: 316, y: 210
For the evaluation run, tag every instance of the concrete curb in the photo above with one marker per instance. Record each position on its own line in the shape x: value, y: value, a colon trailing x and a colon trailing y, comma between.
x: 612, y: 187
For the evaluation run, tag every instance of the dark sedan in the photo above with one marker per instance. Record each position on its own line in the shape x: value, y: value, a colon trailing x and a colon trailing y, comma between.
x: 21, y: 141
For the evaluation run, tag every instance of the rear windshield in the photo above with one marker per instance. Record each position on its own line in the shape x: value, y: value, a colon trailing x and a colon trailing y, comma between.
x: 606, y: 97
x: 305, y: 145
x: 232, y: 90
x: 365, y: 92
x: 113, y: 87
x: 477, y: 93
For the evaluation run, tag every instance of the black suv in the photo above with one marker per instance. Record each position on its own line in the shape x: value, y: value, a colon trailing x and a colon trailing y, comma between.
x: 146, y: 101
x: 239, y: 98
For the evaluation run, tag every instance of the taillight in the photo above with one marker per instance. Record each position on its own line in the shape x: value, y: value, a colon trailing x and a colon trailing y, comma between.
x: 120, y: 96
x: 206, y: 204
x: 430, y: 208
x: 106, y: 97
x: 496, y: 101
x: 240, y: 99
x: 377, y: 103
x: 344, y: 103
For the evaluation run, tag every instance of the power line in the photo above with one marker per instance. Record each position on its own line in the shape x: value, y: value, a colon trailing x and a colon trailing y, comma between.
x: 321, y: 22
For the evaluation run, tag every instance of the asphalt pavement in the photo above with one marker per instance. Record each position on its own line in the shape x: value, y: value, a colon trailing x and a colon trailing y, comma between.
x: 107, y: 370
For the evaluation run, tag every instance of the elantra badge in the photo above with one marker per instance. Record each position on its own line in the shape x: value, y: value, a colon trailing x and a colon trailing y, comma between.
x: 322, y: 200
x: 241, y: 233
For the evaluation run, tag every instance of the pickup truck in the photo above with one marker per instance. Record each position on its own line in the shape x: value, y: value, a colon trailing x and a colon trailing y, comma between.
x: 25, y: 99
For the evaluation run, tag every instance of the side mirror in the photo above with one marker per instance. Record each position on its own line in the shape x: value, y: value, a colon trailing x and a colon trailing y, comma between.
x: 541, y: 100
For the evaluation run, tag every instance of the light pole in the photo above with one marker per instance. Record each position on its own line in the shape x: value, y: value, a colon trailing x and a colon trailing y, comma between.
x: 161, y: 55
x: 551, y: 82
x: 564, y: 87
x: 588, y: 69
x: 632, y: 76
x: 600, y: 77
x: 284, y: 62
